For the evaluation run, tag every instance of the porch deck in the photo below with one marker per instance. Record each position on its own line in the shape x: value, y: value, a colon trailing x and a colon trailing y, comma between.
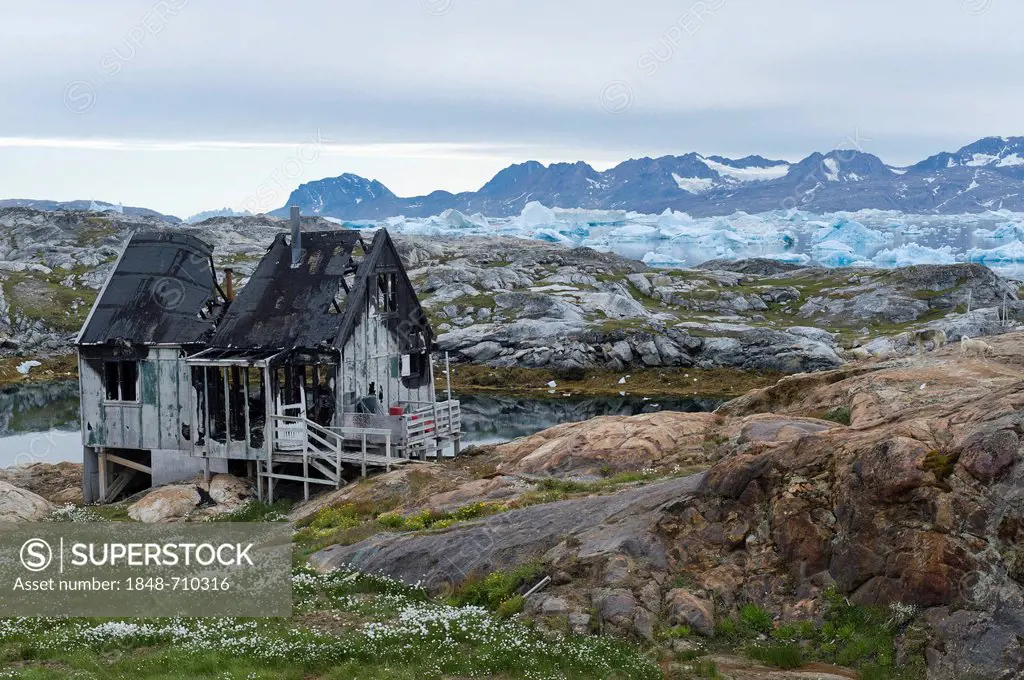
x: 377, y: 442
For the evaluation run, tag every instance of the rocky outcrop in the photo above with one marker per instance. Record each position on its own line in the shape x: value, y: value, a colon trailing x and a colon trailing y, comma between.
x: 520, y: 309
x: 59, y: 483
x: 598, y: 526
x: 611, y: 444
x: 194, y: 501
x: 915, y: 502
x: 19, y: 505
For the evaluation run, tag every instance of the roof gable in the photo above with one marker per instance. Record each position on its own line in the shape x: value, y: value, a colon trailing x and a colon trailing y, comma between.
x: 409, y: 322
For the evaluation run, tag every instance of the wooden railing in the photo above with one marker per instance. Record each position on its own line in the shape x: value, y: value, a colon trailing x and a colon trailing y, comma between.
x: 427, y: 423
x: 322, y: 449
x: 295, y: 439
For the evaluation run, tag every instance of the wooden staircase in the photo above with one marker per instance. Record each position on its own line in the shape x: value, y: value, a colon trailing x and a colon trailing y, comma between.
x: 321, y: 452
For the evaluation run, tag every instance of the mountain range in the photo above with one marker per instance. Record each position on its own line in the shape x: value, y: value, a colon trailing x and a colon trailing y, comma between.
x: 985, y: 175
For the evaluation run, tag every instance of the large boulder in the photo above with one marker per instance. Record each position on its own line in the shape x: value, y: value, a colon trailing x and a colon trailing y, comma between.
x: 165, y: 504
x: 20, y: 505
x: 686, y: 609
x: 229, y: 492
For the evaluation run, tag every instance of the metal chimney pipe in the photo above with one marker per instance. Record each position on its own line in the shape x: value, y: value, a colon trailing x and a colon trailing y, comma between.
x: 229, y: 284
x: 296, y: 237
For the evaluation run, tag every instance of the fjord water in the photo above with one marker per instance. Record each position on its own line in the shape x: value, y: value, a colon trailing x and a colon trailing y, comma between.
x: 40, y: 423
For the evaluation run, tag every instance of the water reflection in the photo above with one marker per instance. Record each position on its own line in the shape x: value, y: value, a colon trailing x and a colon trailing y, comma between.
x: 34, y: 408
x: 497, y: 418
x: 39, y: 423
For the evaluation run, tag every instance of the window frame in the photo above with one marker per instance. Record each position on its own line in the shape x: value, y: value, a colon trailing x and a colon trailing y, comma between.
x: 120, y: 363
x: 387, y: 292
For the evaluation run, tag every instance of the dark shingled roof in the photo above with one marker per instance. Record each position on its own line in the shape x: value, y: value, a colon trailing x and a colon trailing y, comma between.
x: 285, y: 308
x: 155, y: 294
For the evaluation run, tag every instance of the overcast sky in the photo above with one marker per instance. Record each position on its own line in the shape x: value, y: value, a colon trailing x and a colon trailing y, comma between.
x: 185, y: 105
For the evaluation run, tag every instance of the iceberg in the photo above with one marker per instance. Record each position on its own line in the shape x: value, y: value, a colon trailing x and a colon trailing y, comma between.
x: 593, y: 218
x: 456, y: 220
x: 854, y: 234
x: 662, y: 261
x: 913, y: 253
x: 535, y: 215
x: 792, y: 258
x: 553, y: 236
x: 836, y: 254
x: 864, y: 238
x: 100, y: 206
x: 635, y: 232
x: 1002, y: 232
x: 1011, y: 252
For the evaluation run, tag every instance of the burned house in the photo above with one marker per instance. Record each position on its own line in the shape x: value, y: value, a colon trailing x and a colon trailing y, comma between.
x: 320, y: 367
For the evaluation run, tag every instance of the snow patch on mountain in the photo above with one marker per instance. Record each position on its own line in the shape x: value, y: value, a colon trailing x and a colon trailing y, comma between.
x: 751, y: 173
x: 694, y: 185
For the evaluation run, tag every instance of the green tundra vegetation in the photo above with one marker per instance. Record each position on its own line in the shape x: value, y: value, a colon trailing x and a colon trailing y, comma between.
x: 347, y: 624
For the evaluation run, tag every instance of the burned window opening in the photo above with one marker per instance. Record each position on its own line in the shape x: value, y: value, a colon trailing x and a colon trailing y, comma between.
x: 121, y: 380
x: 323, y: 402
x: 418, y: 370
x: 337, y: 305
x: 387, y: 293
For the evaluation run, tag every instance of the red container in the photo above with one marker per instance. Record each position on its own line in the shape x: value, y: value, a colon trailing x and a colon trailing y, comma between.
x: 396, y: 411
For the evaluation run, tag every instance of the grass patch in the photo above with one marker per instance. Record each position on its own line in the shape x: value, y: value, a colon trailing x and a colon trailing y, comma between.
x: 941, y: 463
x: 347, y: 625
x: 434, y: 519
x: 258, y: 511
x: 351, y: 523
x: 64, y: 367
x: 839, y: 414
x: 34, y: 296
x: 477, y: 301
x: 650, y: 382
x: 117, y: 512
x: 756, y: 619
x: 675, y: 633
x: 704, y: 668
x: 850, y: 635
x: 496, y: 590
x: 778, y: 655
x: 552, y: 490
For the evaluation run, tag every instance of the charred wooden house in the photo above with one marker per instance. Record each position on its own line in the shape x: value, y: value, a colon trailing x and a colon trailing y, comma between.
x: 321, y: 364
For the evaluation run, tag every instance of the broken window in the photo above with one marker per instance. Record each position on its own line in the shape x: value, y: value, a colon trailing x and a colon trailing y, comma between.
x: 418, y: 370
x: 338, y: 303
x: 121, y: 380
x: 387, y: 293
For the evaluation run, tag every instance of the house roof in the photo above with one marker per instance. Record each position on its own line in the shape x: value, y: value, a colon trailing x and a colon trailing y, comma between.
x: 283, y: 307
x: 159, y: 286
